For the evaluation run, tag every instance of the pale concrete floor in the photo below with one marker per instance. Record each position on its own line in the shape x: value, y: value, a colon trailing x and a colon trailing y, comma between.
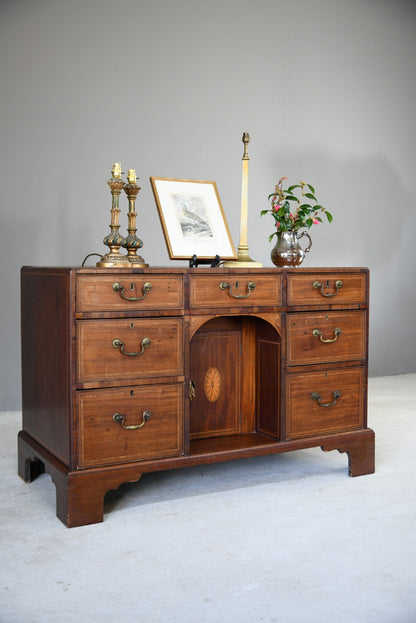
x: 285, y: 538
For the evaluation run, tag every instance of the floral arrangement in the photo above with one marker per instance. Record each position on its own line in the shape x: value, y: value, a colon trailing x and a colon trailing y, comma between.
x: 303, y: 214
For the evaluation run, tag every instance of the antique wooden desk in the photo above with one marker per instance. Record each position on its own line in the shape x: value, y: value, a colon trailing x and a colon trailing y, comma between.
x: 137, y: 370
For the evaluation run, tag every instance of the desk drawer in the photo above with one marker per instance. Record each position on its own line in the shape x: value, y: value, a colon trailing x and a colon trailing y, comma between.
x: 120, y: 292
x: 128, y: 349
x: 233, y: 290
x: 319, y: 337
x: 154, y: 410
x: 326, y: 288
x: 325, y: 402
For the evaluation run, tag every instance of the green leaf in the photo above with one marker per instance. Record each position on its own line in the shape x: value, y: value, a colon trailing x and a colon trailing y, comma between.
x: 292, y: 188
x: 329, y: 216
x: 310, y: 196
x: 263, y: 212
x: 291, y: 198
x: 272, y: 195
x: 311, y: 188
x: 271, y: 236
x: 309, y: 222
x: 304, y: 206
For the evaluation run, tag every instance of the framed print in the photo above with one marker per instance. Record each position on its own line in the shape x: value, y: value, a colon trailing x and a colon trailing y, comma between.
x: 192, y: 219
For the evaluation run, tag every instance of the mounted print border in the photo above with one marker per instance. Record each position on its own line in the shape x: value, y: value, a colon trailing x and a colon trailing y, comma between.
x: 192, y: 219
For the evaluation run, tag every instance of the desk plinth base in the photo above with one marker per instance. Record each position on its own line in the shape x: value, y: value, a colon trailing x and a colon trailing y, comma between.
x: 80, y: 493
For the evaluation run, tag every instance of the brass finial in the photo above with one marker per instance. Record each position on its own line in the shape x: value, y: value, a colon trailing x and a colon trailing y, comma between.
x: 246, y: 140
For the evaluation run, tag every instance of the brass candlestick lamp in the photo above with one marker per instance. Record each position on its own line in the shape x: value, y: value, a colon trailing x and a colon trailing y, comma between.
x: 132, y: 243
x: 114, y: 240
x: 243, y: 259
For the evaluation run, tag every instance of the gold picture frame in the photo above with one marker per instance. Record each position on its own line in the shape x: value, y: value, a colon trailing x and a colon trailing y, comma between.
x: 192, y: 219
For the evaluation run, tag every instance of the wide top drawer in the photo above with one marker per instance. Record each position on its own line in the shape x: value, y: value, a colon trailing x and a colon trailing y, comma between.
x: 128, y: 292
x: 326, y: 288
x: 233, y: 290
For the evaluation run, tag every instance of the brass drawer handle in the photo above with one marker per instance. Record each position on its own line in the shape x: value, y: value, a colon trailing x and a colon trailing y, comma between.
x: 117, y: 287
x: 318, y: 284
x: 318, y: 333
x: 117, y: 417
x: 250, y: 286
x: 336, y: 394
x: 119, y: 344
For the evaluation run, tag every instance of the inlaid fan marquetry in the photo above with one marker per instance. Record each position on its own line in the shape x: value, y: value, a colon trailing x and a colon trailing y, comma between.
x: 212, y: 384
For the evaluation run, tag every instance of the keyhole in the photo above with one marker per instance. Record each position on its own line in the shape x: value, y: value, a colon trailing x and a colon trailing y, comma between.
x: 132, y: 286
x: 236, y: 284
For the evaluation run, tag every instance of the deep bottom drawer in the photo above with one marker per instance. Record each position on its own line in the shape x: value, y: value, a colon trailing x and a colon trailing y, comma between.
x: 104, y: 437
x: 325, y: 402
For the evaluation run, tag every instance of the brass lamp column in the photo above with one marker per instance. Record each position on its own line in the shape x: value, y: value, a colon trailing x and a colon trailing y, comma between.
x: 132, y: 243
x: 114, y: 240
x: 243, y: 259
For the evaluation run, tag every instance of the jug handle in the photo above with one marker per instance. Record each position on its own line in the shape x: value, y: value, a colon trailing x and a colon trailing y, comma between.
x: 305, y: 233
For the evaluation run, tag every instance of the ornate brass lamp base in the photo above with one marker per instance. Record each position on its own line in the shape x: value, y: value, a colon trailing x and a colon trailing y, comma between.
x: 132, y: 243
x: 113, y: 260
x: 137, y: 261
x: 114, y: 240
x: 243, y: 260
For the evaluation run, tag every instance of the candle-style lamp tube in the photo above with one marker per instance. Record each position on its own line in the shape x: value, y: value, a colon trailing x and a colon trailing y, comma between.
x: 114, y: 240
x: 243, y: 259
x: 132, y: 243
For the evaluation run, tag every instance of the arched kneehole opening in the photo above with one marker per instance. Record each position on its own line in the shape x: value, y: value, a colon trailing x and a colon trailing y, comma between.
x: 235, y: 383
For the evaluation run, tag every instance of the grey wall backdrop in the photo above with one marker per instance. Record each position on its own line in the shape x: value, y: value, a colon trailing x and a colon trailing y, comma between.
x: 326, y: 89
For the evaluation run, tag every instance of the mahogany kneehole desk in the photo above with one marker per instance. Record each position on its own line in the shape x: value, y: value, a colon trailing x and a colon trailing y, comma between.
x: 127, y: 371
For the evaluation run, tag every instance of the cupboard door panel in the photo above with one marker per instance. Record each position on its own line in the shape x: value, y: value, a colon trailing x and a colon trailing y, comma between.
x: 215, y: 369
